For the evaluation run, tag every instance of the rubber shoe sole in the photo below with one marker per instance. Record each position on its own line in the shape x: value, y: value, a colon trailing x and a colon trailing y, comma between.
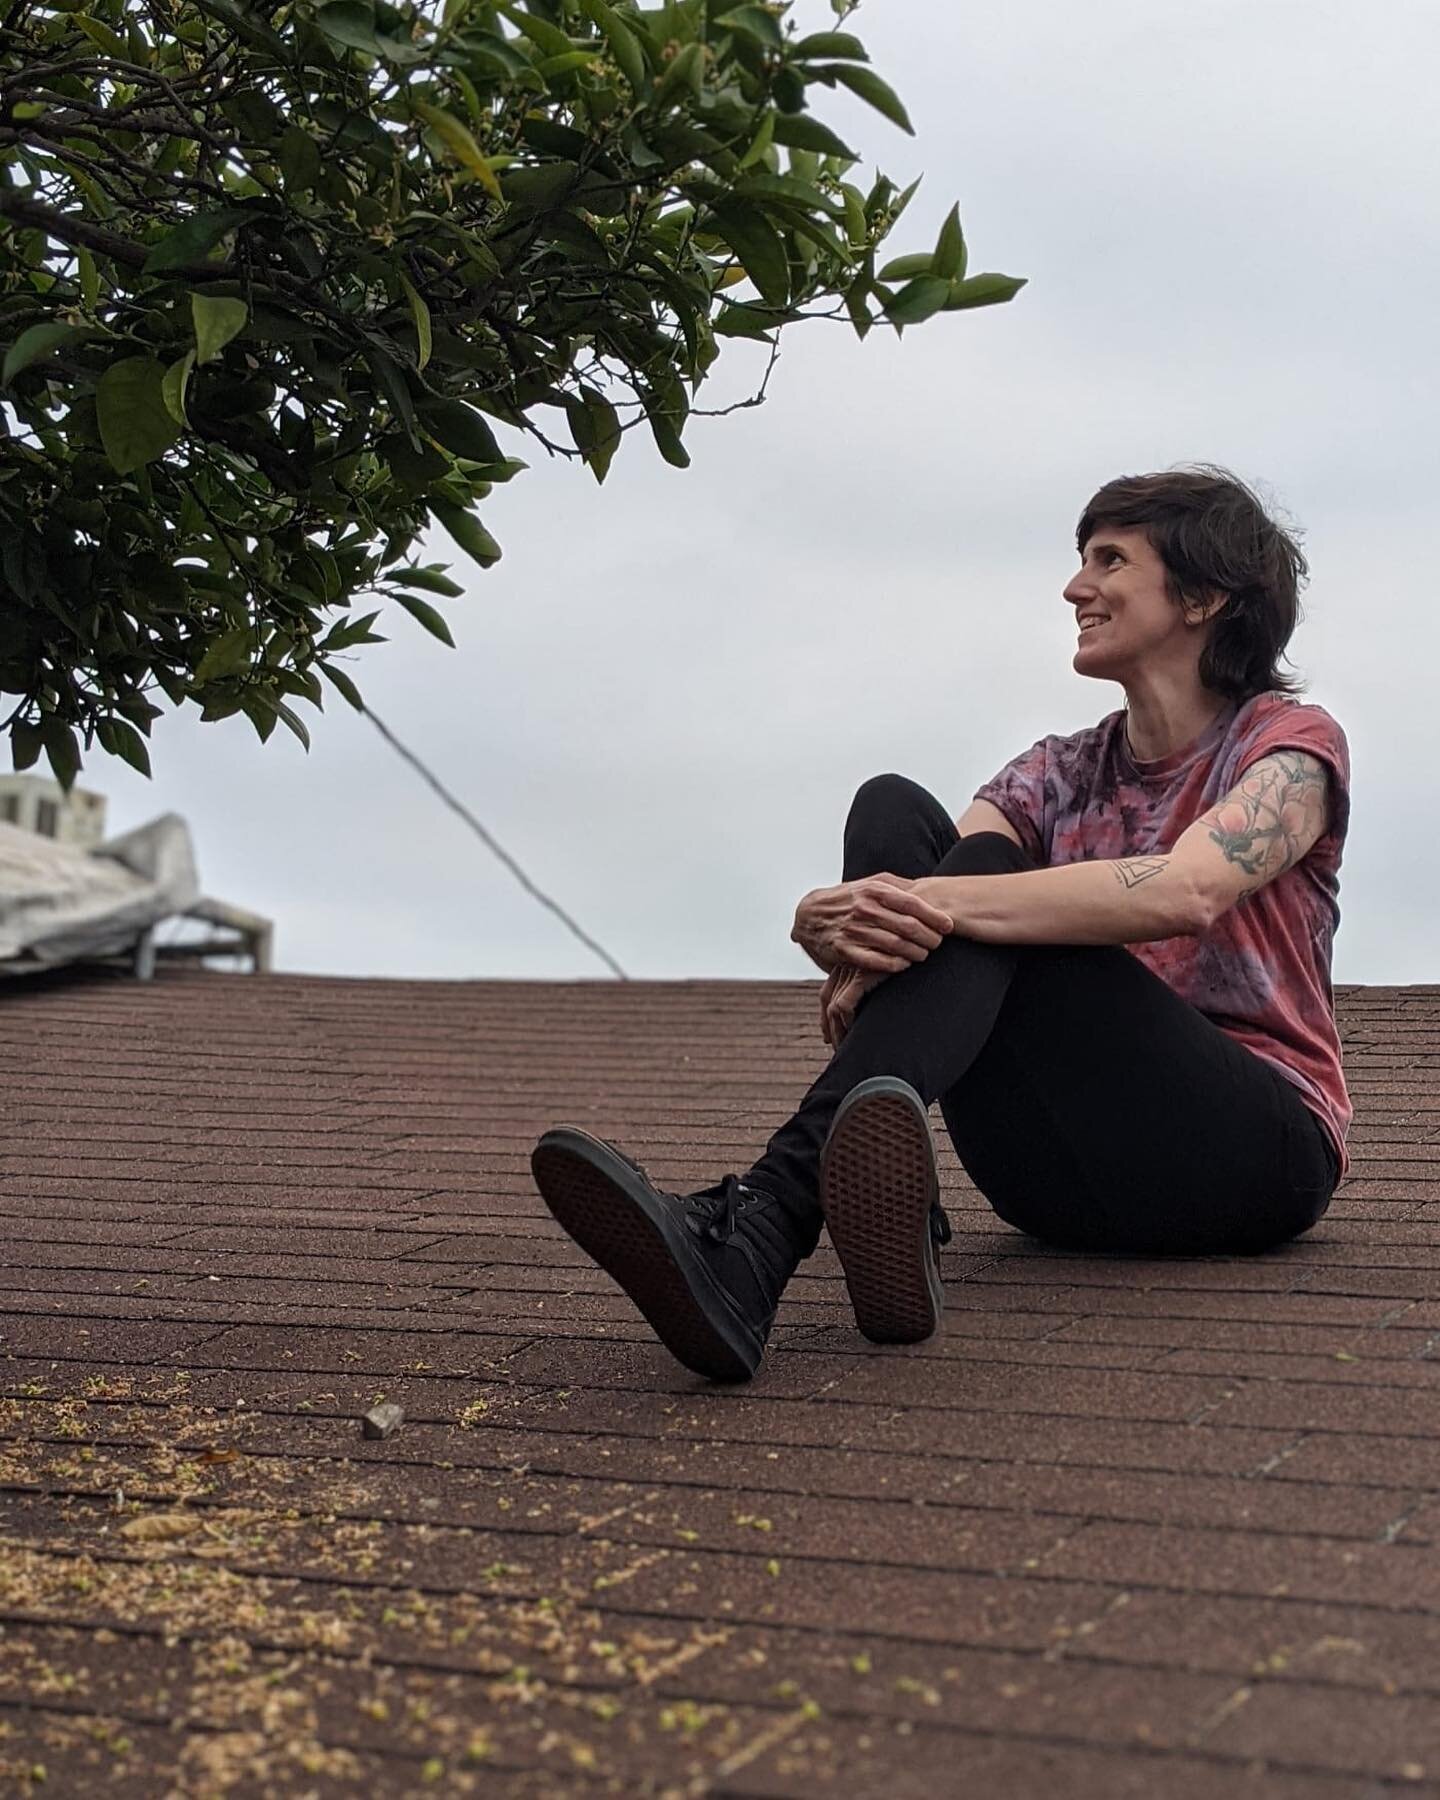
x: 624, y: 1225
x: 878, y: 1182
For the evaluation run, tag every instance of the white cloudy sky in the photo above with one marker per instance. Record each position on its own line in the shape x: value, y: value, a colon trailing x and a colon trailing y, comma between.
x: 665, y: 694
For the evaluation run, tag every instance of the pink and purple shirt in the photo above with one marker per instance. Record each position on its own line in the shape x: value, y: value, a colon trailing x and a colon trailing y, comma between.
x: 1262, y: 970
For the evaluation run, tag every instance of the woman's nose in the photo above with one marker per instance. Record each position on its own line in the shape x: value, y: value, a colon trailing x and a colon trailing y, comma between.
x: 1077, y: 587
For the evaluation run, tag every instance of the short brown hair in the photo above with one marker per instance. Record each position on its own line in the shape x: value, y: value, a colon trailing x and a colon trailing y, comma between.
x: 1211, y: 532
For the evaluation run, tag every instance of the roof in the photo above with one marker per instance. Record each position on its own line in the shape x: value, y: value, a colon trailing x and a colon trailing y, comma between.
x: 1123, y: 1528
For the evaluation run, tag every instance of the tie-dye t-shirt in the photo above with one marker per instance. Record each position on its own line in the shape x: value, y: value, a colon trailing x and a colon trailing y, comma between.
x: 1262, y: 970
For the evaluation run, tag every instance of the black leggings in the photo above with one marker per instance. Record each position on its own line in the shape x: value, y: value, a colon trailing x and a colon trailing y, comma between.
x: 1089, y: 1103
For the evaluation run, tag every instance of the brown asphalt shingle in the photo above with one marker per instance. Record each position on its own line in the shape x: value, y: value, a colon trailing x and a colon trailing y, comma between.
x: 1154, y: 1528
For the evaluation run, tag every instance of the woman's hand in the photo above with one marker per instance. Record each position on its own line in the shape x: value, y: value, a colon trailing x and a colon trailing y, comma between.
x: 878, y: 924
x: 844, y: 989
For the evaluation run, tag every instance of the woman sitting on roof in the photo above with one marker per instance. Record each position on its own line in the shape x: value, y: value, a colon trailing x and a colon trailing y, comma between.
x: 1113, y: 974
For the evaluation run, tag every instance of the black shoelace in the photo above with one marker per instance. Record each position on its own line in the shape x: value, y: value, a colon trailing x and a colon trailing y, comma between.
x: 715, y: 1210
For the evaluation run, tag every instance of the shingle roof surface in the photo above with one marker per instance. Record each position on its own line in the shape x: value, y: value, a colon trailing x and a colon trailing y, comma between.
x: 1123, y: 1528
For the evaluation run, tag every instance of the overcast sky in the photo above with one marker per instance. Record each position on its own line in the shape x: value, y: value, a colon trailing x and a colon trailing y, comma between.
x: 665, y: 694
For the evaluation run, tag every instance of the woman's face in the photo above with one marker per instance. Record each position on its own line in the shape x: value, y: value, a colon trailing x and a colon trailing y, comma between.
x: 1122, y: 582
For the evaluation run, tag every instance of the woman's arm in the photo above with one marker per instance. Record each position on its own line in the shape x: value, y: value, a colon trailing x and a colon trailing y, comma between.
x: 1256, y: 833
x: 983, y: 815
x: 1128, y: 901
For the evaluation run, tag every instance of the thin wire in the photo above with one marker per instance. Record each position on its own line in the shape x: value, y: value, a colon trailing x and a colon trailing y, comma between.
x: 490, y: 844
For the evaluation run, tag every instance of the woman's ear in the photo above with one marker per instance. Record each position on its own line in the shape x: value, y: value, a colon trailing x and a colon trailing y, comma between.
x: 1201, y: 608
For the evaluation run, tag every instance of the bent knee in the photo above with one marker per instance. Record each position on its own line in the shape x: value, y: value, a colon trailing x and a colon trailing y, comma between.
x: 888, y: 790
x: 883, y: 799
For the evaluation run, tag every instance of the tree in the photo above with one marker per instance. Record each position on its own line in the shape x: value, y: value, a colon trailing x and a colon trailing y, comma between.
x: 271, y: 275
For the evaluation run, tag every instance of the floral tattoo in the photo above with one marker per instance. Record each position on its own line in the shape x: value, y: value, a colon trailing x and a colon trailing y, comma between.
x: 1265, y: 825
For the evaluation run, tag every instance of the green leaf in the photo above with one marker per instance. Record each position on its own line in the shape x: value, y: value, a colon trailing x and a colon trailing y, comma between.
x: 258, y: 708
x: 89, y: 279
x: 467, y: 531
x: 62, y: 749
x: 950, y: 248
x: 903, y: 199
x: 292, y: 722
x: 857, y: 228
x: 807, y: 133
x: 351, y: 25
x: 759, y: 247
x: 860, y: 317
x: 879, y: 94
x: 121, y: 739
x: 983, y: 290
x: 760, y: 143
x: 918, y: 300
x: 193, y: 241
x: 685, y: 70
x: 217, y: 320
x: 420, y: 313
x: 902, y: 268
x: 350, y: 632
x: 26, y: 743
x: 548, y: 39
x: 173, y: 387
x: 804, y: 194
x: 31, y: 345
x: 299, y: 157
x: 830, y: 43
x: 550, y: 66
x: 624, y: 45
x: 756, y: 23
x: 744, y: 321
x: 595, y: 427
x: 459, y: 429
x: 343, y: 683
x: 102, y: 35
x: 667, y: 441
x: 230, y: 654
x: 390, y: 381
x: 433, y: 621
x: 431, y: 580
x: 135, y: 423
x: 459, y: 141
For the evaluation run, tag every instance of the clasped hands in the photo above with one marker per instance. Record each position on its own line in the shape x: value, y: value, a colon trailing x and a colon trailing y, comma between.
x: 861, y: 931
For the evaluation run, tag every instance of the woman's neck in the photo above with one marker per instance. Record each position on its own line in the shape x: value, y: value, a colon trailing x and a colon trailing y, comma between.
x: 1158, y: 722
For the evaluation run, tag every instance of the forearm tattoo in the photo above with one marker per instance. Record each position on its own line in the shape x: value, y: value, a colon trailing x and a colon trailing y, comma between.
x: 1266, y: 824
x: 1130, y: 871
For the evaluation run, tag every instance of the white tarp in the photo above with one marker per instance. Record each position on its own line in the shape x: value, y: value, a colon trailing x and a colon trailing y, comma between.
x: 59, y: 904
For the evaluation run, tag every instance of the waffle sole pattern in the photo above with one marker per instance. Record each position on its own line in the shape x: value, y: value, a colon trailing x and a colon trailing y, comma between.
x: 878, y: 1181
x: 619, y: 1221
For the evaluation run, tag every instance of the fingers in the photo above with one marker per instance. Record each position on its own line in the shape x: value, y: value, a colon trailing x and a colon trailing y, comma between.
x: 902, y: 912
x: 898, y: 897
x: 873, y: 948
x: 837, y: 1003
x: 902, y: 950
x: 828, y: 990
x: 874, y: 962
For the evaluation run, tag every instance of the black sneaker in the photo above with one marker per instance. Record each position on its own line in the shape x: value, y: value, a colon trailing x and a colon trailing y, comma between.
x: 879, y: 1192
x: 705, y: 1269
